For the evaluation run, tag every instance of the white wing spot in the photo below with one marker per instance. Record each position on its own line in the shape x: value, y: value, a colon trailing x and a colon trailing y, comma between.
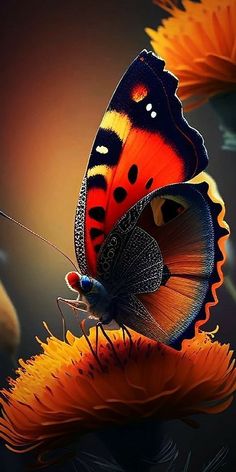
x: 148, y: 106
x: 153, y: 114
x: 102, y: 149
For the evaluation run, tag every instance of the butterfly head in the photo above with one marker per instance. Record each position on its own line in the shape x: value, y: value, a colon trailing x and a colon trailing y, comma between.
x: 79, y: 283
x: 91, y: 291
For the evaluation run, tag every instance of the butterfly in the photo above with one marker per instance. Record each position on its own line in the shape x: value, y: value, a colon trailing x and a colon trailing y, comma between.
x: 146, y: 240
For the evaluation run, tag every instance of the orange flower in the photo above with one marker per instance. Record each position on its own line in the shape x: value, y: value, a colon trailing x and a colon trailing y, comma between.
x: 198, y: 45
x: 69, y: 390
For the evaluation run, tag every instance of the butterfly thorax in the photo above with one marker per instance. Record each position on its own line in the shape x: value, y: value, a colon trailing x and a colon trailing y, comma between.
x: 99, y: 301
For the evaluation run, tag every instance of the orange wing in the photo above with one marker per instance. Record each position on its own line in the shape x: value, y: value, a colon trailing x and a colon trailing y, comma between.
x: 143, y: 143
x: 161, y: 264
x: 188, y: 224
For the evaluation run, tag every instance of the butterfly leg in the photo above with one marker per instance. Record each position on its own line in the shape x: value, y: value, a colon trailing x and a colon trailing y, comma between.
x: 104, y: 320
x: 126, y: 331
x: 100, y: 325
x: 86, y: 337
x: 75, y: 304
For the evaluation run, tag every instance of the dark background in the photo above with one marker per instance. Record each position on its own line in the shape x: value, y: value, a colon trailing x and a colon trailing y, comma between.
x: 60, y: 63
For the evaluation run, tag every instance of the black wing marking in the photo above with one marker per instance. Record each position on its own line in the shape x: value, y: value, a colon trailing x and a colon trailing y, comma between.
x: 130, y: 263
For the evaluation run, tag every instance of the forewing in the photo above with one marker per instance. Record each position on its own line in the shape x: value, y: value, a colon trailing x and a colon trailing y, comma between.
x: 143, y: 143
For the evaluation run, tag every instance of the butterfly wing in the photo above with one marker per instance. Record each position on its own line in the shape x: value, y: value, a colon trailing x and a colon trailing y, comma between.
x: 142, y: 144
x: 163, y: 258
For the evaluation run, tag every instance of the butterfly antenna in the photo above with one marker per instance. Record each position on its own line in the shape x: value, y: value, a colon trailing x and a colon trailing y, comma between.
x: 38, y: 236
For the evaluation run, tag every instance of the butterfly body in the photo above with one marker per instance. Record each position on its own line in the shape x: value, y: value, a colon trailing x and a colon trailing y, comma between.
x: 93, y: 293
x: 146, y: 240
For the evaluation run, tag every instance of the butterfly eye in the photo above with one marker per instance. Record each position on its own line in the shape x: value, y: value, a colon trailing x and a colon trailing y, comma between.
x: 86, y: 283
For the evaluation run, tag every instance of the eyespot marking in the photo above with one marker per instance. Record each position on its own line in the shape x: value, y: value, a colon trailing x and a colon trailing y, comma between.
x: 149, y: 107
x: 149, y: 183
x: 139, y: 92
x: 120, y: 194
x: 97, y: 247
x: 97, y: 213
x: 95, y: 232
x: 97, y: 181
x: 133, y: 174
x: 102, y: 149
x: 170, y: 209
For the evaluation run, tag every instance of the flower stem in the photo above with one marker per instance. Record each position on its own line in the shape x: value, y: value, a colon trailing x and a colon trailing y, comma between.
x: 134, y: 446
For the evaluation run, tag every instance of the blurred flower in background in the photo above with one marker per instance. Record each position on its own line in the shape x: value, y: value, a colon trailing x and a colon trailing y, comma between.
x: 9, y: 324
x: 73, y: 388
x: 198, y: 42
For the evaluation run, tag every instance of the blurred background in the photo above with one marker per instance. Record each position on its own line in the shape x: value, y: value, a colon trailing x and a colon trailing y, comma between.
x: 60, y: 62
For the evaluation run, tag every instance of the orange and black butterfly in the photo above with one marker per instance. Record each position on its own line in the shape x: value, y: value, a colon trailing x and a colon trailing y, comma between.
x: 146, y: 241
